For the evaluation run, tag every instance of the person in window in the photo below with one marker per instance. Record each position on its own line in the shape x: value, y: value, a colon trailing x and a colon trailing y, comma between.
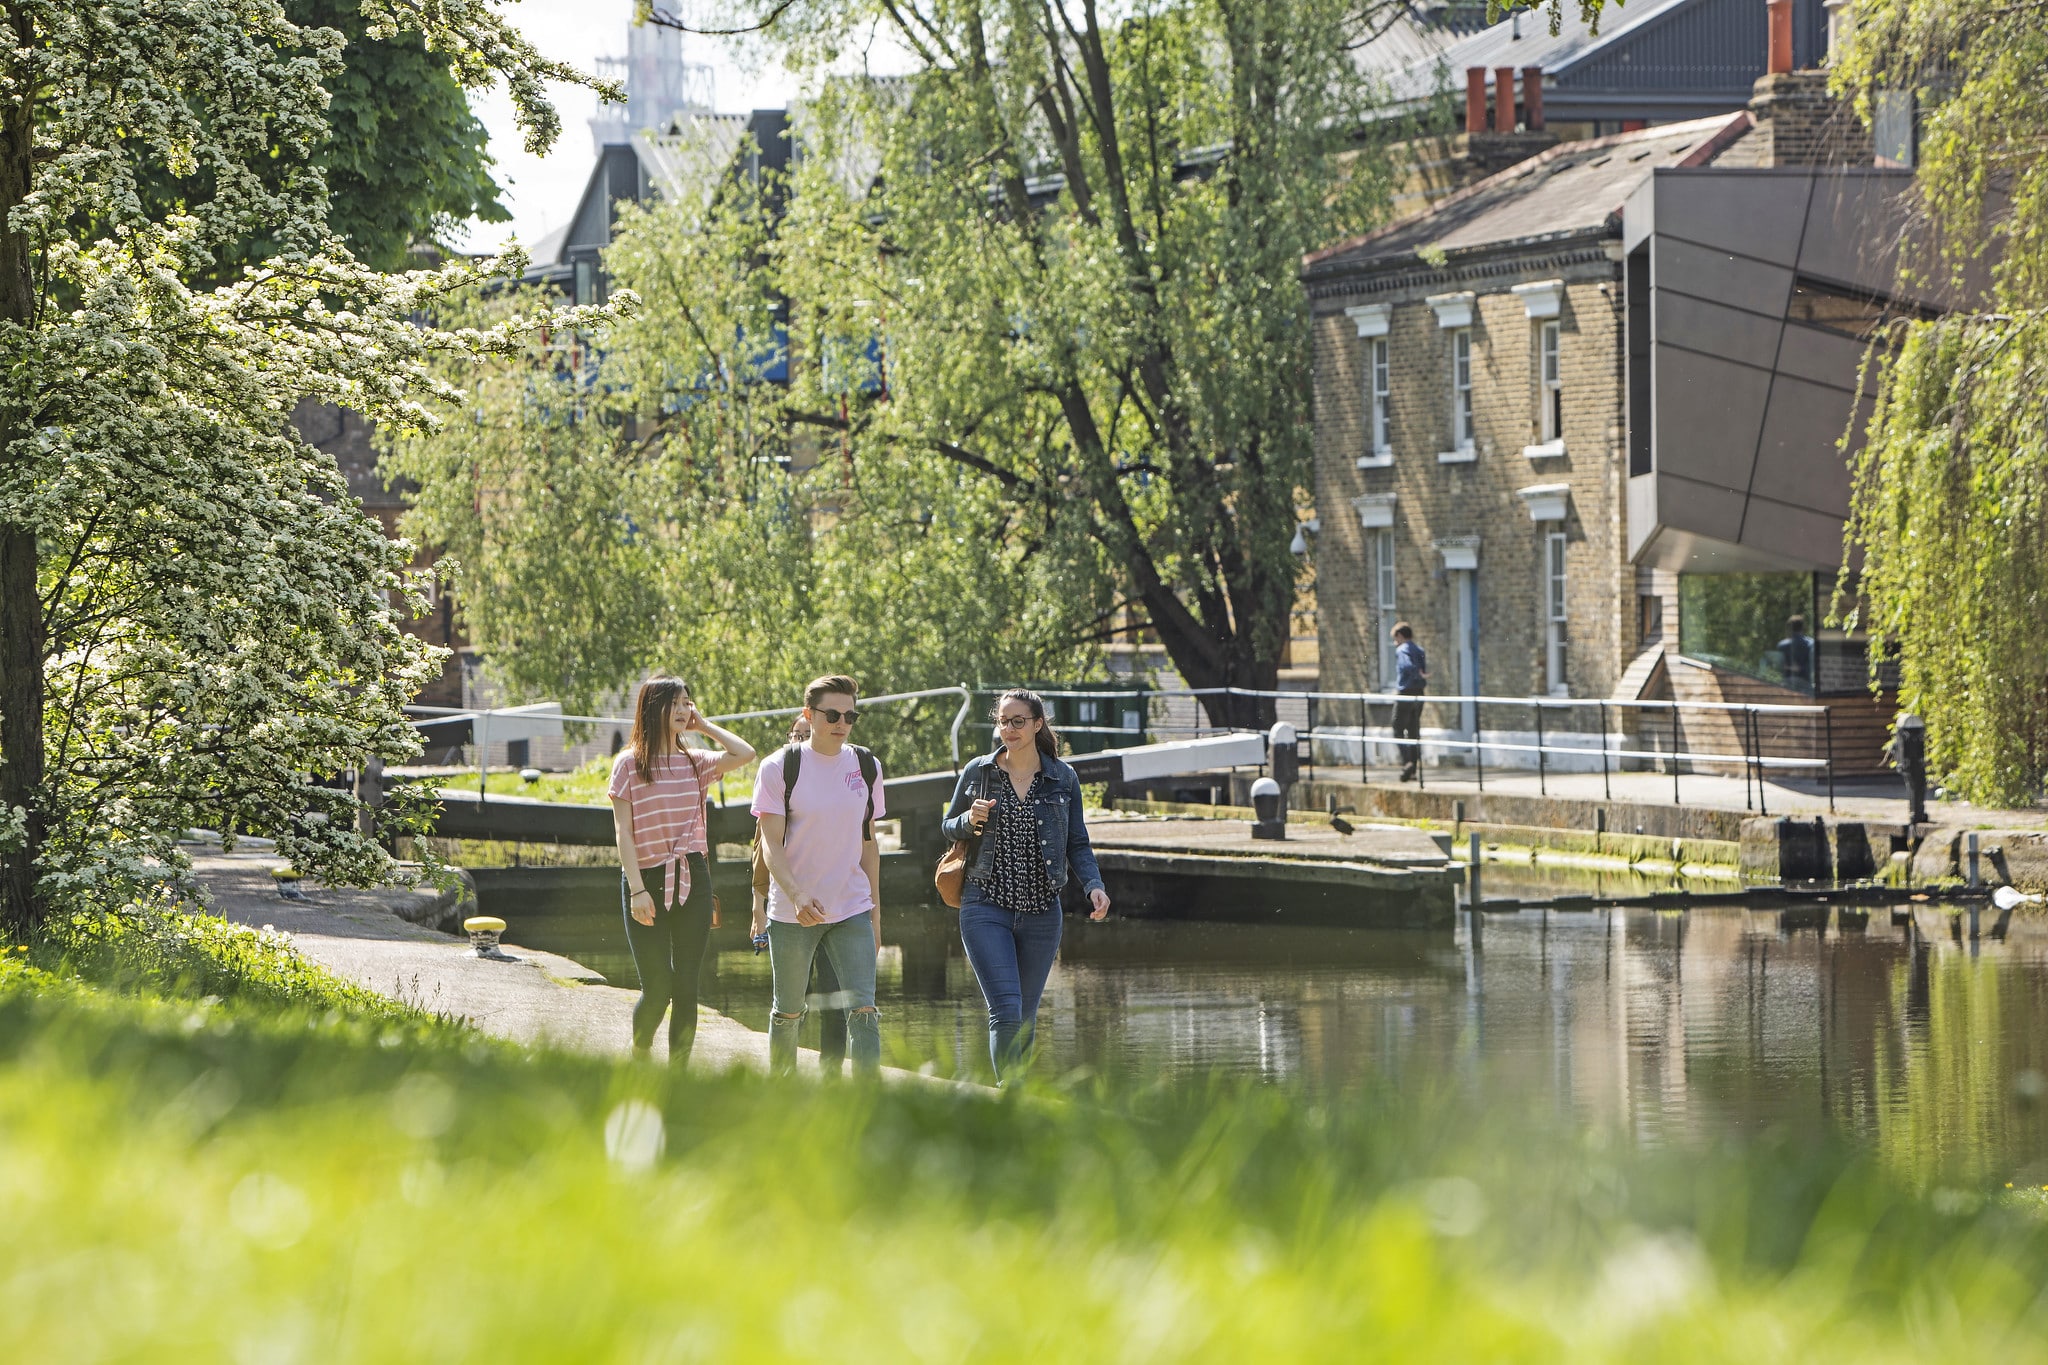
x: 1795, y: 653
x: 1022, y: 807
x: 1411, y: 675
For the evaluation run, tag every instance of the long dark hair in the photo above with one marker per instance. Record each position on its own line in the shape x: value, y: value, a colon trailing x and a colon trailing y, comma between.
x: 1048, y: 738
x: 654, y: 734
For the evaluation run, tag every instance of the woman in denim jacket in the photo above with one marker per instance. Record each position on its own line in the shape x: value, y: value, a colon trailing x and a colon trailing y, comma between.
x: 1022, y: 806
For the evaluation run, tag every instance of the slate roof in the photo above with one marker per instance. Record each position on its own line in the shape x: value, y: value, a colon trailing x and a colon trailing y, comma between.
x: 1573, y: 188
x: 1524, y: 40
x: 691, y: 153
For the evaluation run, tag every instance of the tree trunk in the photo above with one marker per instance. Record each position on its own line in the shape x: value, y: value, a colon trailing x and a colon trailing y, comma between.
x: 1224, y: 657
x: 22, y: 759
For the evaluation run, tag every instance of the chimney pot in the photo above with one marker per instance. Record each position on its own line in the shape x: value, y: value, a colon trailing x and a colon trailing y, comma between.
x: 1475, y: 99
x: 1532, y: 98
x: 1504, y: 99
x: 1780, y: 55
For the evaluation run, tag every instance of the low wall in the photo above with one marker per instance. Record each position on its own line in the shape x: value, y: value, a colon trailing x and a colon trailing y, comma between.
x: 1503, y: 808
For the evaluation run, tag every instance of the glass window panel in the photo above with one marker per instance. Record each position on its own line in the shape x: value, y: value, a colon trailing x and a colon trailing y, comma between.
x: 1461, y: 386
x: 1380, y: 390
x: 1759, y: 624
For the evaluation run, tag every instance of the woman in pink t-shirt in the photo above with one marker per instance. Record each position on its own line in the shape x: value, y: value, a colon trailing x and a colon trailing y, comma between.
x: 657, y: 792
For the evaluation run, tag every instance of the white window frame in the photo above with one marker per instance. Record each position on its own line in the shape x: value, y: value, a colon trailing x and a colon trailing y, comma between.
x: 1373, y: 321
x: 1550, y: 382
x: 1556, y: 612
x: 1385, y: 584
x: 1379, y: 397
x: 1463, y: 439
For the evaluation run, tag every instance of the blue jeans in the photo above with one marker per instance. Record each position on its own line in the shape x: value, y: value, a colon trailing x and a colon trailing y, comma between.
x: 1011, y: 954
x: 849, y: 946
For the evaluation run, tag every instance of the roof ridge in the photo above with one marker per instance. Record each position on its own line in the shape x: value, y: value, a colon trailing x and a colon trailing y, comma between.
x: 1531, y: 165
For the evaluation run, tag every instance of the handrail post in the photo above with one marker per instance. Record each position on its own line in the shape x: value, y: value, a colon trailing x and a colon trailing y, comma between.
x: 1744, y: 732
x: 1363, y: 744
x: 1674, y: 755
x: 483, y: 756
x: 1478, y: 731
x: 1419, y: 783
x: 1606, y: 788
x: 1541, y: 769
x: 1828, y: 716
x: 1756, y: 740
x: 966, y: 705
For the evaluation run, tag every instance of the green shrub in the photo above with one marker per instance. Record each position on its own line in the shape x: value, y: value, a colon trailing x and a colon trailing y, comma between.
x: 177, y: 953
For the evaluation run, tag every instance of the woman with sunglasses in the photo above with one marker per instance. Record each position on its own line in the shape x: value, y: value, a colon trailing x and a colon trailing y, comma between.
x: 1023, y: 807
x: 657, y: 791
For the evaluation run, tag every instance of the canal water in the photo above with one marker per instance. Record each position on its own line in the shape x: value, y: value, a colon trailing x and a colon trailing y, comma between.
x: 1888, y: 1023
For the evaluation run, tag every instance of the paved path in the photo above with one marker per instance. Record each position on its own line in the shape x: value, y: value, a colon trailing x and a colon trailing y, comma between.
x: 541, y: 1000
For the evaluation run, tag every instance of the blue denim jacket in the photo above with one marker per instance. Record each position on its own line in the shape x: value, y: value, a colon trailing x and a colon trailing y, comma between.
x: 1062, y: 832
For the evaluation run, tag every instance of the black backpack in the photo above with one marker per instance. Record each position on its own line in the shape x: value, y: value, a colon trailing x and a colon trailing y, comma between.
x: 792, y: 759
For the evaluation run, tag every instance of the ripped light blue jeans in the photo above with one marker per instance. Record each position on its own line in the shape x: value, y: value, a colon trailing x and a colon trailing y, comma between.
x: 849, y: 946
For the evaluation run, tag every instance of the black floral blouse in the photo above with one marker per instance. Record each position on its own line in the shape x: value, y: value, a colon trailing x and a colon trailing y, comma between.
x: 1018, y: 881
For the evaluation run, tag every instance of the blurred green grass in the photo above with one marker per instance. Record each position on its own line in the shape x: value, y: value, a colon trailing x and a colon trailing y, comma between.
x: 280, y: 1169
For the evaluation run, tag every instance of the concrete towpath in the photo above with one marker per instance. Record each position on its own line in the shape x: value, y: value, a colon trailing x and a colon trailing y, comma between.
x: 542, y: 1000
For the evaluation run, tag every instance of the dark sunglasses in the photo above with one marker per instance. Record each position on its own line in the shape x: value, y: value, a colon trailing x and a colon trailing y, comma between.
x: 834, y: 717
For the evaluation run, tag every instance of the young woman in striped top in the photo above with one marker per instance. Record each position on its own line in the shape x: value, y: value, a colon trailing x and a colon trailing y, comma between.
x: 657, y: 791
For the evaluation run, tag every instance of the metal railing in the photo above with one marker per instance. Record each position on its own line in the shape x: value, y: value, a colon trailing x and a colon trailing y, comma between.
x: 1745, y: 719
x: 425, y: 716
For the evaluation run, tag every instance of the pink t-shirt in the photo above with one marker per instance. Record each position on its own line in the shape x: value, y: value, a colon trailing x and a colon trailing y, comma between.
x: 668, y: 812
x: 822, y: 839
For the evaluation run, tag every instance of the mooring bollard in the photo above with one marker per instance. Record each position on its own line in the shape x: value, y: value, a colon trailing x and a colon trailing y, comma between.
x: 483, y: 936
x: 1472, y: 872
x: 1269, y: 805
x: 1976, y: 879
x: 1909, y: 753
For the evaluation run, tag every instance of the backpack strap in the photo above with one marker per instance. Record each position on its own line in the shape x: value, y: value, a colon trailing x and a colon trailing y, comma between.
x: 792, y: 759
x: 869, y: 771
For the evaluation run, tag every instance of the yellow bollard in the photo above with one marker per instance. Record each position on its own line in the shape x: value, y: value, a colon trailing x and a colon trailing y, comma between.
x: 483, y: 936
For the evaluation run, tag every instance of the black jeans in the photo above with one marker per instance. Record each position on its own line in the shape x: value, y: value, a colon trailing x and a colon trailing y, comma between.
x: 669, y: 955
x: 1408, y: 727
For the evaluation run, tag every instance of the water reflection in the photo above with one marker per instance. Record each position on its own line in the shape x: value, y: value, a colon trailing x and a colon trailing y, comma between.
x: 1890, y: 1024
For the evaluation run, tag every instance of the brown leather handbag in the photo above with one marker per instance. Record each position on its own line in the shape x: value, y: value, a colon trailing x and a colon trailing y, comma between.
x: 951, y: 877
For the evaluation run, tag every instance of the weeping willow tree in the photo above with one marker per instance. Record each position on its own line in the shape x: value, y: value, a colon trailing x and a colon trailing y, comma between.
x: 1950, y: 511
x: 662, y: 496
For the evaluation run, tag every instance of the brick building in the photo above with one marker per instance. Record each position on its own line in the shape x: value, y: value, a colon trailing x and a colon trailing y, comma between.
x: 1470, y: 425
x: 1579, y: 424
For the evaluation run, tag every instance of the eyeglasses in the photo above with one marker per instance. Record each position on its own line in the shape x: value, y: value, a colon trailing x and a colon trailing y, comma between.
x: 834, y: 717
x: 1015, y: 722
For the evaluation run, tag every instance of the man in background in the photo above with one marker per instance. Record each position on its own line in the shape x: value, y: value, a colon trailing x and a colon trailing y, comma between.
x: 1411, y: 673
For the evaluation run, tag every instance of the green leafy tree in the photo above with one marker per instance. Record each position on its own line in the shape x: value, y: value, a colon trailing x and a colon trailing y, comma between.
x: 639, y: 499
x: 1070, y: 240
x: 195, y: 620
x: 406, y: 160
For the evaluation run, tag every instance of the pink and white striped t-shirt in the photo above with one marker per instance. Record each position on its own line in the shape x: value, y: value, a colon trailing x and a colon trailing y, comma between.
x: 668, y: 812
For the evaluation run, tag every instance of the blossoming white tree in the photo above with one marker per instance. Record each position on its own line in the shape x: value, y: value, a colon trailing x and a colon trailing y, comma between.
x: 196, y: 621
